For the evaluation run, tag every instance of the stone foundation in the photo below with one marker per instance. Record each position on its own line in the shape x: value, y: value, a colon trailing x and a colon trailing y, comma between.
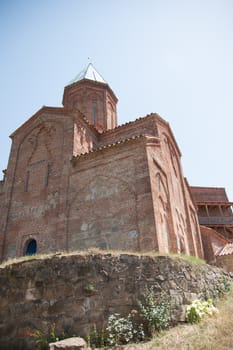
x: 76, y: 291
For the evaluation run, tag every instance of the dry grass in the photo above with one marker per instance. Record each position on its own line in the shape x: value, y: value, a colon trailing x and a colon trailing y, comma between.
x: 214, y: 333
x: 96, y: 251
x: 13, y: 261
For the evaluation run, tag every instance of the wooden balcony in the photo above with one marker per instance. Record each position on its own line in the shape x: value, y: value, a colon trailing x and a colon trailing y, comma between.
x: 216, y: 220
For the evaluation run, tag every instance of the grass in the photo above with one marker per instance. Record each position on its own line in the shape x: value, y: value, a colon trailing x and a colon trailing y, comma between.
x: 210, y: 334
x: 189, y: 258
x: 11, y: 261
x: 213, y: 333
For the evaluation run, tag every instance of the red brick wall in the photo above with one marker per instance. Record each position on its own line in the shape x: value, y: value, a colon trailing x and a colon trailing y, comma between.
x: 175, y: 214
x: 212, y: 243
x: 194, y: 232
x: 86, y: 96
x: 37, y: 184
x: 110, y: 202
x: 85, y: 138
x: 142, y: 126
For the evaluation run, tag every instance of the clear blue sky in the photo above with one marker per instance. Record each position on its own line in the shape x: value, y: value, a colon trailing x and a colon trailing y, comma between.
x: 172, y: 57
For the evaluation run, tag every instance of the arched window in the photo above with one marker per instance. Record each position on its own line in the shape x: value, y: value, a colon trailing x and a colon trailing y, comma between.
x: 27, y: 181
x: 94, y: 113
x: 31, y: 247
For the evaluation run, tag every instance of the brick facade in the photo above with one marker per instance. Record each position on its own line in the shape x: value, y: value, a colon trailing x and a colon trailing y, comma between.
x: 212, y: 242
x: 75, y: 180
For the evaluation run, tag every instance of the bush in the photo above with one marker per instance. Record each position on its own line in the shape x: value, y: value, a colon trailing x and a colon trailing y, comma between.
x: 120, y: 329
x: 156, y: 311
x: 123, y: 330
x: 198, y: 309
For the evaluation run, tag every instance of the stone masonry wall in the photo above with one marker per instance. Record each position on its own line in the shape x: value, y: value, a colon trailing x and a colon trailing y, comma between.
x: 76, y: 291
x: 225, y: 262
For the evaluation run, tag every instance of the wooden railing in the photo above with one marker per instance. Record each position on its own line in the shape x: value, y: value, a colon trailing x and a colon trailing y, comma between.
x: 216, y: 220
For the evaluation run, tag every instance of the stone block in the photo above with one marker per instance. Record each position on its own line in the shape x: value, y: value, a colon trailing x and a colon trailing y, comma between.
x: 74, y: 343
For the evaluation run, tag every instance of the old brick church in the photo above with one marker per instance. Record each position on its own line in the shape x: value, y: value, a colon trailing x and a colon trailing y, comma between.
x: 75, y: 180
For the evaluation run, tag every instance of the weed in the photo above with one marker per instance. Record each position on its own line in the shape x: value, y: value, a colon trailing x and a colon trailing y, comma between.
x: 43, y: 340
x: 88, y: 339
x: 156, y: 311
x: 89, y: 288
x: 199, y: 309
x: 96, y: 339
x: 221, y: 287
x: 102, y: 338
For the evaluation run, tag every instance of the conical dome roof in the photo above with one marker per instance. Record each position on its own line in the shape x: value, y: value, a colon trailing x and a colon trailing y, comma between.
x: 88, y: 73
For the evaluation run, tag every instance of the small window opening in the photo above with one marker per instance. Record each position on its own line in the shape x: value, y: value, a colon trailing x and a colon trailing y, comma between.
x: 31, y: 247
x: 94, y: 113
x: 112, y: 119
x: 27, y: 181
x: 47, y: 175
